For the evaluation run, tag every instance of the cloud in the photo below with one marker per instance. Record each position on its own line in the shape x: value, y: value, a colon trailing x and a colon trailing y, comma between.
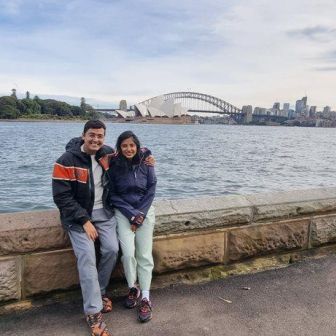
x: 243, y: 51
x: 326, y: 68
x: 329, y: 55
x: 10, y: 7
x: 315, y: 33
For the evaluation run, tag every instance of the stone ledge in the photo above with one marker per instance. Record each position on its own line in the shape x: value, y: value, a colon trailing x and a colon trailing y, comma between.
x: 323, y: 230
x: 190, y: 277
x: 184, y: 251
x: 10, y: 276
x: 268, y: 238
x: 25, y: 232
x: 41, y: 230
x: 33, y: 239
x: 189, y: 234
x: 48, y: 271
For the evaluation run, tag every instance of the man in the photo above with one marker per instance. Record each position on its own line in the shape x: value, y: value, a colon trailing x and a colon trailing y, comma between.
x: 80, y: 189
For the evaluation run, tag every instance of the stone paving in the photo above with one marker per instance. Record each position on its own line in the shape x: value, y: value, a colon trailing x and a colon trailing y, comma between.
x: 297, y: 300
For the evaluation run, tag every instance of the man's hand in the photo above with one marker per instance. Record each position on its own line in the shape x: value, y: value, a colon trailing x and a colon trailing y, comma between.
x: 150, y: 161
x: 133, y: 227
x: 90, y: 230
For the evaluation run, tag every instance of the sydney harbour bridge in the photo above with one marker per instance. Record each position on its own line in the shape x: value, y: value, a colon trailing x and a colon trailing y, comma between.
x: 195, y: 102
x: 199, y: 102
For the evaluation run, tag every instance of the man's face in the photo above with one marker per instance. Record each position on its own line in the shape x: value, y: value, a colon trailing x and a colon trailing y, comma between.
x: 93, y: 140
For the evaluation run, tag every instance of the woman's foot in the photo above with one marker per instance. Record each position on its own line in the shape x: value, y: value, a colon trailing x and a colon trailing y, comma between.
x: 145, y: 310
x: 132, y: 297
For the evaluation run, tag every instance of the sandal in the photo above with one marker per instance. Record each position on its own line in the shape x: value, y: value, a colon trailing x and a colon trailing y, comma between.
x: 97, y: 325
x: 107, y: 304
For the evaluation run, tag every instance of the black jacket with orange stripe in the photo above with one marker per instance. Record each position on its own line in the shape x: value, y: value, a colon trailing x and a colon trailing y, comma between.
x: 73, y: 186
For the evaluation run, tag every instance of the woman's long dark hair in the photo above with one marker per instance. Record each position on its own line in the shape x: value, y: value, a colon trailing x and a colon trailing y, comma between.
x: 122, y: 161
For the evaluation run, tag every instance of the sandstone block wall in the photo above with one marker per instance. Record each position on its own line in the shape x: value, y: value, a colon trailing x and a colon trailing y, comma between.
x: 36, y: 256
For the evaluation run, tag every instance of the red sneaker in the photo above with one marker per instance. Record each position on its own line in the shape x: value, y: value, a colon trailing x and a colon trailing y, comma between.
x: 132, y: 297
x: 145, y: 311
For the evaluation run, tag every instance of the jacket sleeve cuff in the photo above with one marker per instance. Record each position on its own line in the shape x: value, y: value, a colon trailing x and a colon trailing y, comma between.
x: 83, y: 220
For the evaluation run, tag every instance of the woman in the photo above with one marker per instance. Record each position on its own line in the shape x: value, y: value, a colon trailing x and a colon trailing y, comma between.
x: 132, y: 192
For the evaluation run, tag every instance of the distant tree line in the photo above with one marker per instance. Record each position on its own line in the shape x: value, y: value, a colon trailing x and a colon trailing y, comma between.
x: 12, y: 108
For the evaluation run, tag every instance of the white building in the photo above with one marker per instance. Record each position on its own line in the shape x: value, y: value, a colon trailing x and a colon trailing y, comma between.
x: 158, y: 107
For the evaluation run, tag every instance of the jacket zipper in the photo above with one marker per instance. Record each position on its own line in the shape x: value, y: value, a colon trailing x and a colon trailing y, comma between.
x: 91, y: 187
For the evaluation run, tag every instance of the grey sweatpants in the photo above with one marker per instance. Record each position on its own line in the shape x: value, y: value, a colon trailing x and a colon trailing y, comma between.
x: 94, y: 279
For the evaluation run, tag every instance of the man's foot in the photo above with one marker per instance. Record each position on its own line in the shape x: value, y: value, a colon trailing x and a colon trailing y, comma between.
x: 97, y: 325
x: 145, y: 311
x: 107, y: 304
x: 131, y: 299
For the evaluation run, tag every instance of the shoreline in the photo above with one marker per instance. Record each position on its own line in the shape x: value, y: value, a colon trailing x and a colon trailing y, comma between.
x: 165, y: 121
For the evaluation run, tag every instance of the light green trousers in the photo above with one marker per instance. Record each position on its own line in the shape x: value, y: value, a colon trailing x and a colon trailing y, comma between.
x: 136, y: 247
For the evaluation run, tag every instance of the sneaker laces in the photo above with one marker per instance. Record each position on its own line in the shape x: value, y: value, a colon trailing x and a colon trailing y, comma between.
x: 145, y: 306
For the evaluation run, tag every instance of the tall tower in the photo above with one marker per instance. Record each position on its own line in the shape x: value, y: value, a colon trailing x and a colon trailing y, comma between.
x: 123, y: 105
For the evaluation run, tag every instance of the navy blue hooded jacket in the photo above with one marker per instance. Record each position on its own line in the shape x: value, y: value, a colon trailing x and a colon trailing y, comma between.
x: 132, y: 185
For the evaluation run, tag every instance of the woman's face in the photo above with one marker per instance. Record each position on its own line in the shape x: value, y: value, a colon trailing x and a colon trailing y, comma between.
x: 128, y: 148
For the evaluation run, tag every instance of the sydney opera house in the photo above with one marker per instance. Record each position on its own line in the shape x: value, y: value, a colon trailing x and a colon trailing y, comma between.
x: 157, y: 107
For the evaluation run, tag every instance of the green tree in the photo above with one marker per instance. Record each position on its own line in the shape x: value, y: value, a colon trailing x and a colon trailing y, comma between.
x: 14, y: 93
x: 77, y: 111
x: 30, y: 106
x: 8, y: 108
x: 54, y: 107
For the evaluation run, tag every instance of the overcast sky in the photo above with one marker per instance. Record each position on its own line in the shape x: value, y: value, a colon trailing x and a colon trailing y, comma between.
x: 243, y: 51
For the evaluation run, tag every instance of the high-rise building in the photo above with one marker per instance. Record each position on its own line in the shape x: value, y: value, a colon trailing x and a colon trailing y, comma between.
x: 299, y: 106
x: 276, y: 106
x: 256, y: 110
x: 123, y: 105
x: 304, y: 99
x: 326, y: 109
x: 285, y: 110
x: 312, y: 111
x: 247, y: 110
x: 275, y: 110
x: 326, y: 112
x: 286, y: 107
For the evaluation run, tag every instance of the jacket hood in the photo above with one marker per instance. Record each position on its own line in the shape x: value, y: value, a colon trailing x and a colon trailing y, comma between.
x: 74, y: 144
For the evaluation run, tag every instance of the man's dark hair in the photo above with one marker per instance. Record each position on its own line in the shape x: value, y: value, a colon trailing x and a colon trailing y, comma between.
x: 94, y: 124
x: 126, y: 135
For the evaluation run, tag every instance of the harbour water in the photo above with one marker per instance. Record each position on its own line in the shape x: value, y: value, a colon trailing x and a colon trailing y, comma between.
x: 191, y: 160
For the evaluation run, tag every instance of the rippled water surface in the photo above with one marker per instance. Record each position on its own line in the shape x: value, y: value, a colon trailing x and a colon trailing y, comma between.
x: 192, y: 160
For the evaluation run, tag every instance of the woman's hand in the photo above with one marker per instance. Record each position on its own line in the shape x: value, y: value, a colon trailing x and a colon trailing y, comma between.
x: 150, y: 161
x: 137, y: 221
x: 90, y: 230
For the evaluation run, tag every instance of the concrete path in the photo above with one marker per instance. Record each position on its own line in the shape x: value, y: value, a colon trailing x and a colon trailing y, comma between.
x: 297, y: 300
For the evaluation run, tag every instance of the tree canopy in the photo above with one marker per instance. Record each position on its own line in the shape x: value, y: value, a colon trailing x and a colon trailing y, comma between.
x: 12, y: 108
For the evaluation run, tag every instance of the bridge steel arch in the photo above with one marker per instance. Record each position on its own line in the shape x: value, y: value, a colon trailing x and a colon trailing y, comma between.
x: 222, y: 105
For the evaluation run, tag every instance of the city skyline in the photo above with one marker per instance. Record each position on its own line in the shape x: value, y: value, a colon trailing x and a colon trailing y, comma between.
x: 252, y: 52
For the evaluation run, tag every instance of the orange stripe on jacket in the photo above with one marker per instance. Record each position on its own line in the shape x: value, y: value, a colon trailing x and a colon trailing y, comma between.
x: 70, y: 173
